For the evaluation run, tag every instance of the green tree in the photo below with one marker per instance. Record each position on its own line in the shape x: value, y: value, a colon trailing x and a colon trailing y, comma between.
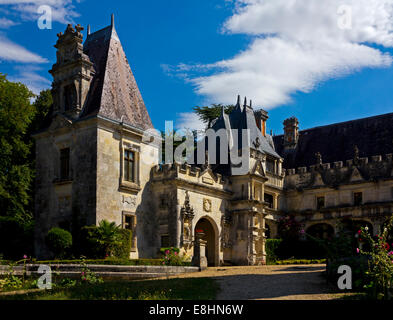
x: 208, y: 114
x: 16, y: 174
x: 42, y: 104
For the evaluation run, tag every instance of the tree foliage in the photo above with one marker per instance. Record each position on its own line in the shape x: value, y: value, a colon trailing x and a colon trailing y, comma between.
x: 16, y: 115
x: 208, y: 114
x: 19, y: 118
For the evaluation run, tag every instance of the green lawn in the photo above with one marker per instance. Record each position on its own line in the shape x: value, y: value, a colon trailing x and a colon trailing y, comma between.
x: 170, y: 289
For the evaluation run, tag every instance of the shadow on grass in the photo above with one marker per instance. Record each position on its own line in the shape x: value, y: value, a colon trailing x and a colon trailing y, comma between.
x: 169, y: 289
x: 226, y: 287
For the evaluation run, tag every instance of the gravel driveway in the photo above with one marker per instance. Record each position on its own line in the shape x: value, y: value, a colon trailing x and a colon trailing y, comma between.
x: 292, y: 282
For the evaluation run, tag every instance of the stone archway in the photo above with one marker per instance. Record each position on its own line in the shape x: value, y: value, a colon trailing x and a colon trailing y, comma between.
x: 210, y: 236
x: 352, y: 226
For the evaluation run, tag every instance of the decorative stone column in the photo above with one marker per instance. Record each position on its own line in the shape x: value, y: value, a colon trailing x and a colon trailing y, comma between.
x: 199, y: 259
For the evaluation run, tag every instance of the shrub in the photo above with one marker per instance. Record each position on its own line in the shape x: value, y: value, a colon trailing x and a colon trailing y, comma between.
x: 380, y: 256
x: 105, y: 240
x: 300, y: 249
x: 123, y: 248
x: 164, y: 250
x: 289, y: 228
x: 272, y: 246
x: 59, y: 241
x: 172, y: 257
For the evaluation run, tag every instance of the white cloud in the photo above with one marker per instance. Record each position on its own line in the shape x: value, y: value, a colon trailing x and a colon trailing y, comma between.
x: 63, y: 11
x: 30, y: 76
x: 6, y: 23
x: 188, y: 120
x: 295, y: 46
x: 11, y: 51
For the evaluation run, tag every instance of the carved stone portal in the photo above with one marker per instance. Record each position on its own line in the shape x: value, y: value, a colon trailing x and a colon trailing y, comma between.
x: 187, y: 215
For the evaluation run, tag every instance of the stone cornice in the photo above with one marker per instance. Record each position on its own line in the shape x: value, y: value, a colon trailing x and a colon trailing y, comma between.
x: 193, y: 185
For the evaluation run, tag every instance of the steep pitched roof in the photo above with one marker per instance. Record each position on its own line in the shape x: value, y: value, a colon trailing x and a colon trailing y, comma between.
x: 373, y: 136
x: 114, y: 93
x: 243, y: 118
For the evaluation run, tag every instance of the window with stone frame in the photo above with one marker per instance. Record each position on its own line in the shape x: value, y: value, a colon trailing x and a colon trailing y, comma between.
x: 165, y: 241
x: 65, y: 164
x: 357, y: 198
x: 269, y: 199
x: 320, y: 203
x: 129, y: 223
x: 129, y: 166
x: 270, y: 167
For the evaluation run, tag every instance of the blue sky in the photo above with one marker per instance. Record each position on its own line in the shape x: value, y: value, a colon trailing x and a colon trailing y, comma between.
x: 290, y: 60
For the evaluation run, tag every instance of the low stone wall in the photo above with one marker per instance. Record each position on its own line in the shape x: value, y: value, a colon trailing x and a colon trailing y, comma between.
x: 105, y: 271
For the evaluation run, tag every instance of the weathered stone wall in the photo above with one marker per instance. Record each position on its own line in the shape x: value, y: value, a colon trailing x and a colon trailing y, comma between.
x: 115, y: 198
x: 337, y: 183
x: 68, y: 204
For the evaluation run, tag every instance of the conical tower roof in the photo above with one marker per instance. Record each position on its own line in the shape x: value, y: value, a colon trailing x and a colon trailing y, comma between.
x: 114, y: 93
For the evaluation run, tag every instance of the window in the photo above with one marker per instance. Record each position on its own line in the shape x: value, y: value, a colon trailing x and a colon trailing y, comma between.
x: 358, y: 198
x: 165, y: 241
x: 65, y: 164
x: 270, y: 166
x: 69, y: 97
x: 130, y: 224
x: 269, y: 200
x: 129, y: 166
x: 320, y: 203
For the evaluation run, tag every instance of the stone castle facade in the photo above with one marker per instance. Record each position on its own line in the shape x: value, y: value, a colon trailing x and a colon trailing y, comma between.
x: 93, y: 164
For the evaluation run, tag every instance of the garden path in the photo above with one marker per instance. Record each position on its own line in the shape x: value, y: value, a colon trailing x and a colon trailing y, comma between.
x: 285, y: 282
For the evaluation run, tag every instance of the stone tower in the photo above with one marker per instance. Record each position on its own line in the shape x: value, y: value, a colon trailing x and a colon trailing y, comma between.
x: 88, y: 156
x: 72, y: 73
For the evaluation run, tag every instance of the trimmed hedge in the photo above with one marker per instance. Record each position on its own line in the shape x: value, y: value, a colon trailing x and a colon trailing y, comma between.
x: 278, y: 249
x: 59, y: 241
x: 301, y: 261
x: 271, y: 247
x: 300, y: 249
x: 123, y: 251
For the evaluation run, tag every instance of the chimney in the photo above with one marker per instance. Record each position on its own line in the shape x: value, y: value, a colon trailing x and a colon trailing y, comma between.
x: 291, y: 133
x: 261, y: 117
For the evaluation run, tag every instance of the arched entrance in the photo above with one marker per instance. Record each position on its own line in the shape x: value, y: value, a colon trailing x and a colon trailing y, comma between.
x: 351, y: 226
x: 205, y: 226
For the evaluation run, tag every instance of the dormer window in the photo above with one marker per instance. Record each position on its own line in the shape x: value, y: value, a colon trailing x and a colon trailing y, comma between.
x: 270, y: 167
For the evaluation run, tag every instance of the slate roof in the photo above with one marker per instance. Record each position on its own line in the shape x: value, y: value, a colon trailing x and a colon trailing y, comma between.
x: 242, y: 117
x: 373, y: 136
x: 114, y: 93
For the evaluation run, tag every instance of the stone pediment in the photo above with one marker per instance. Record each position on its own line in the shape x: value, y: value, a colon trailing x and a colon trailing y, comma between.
x: 208, y: 177
x: 355, y: 176
x: 258, y: 169
x: 59, y: 122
